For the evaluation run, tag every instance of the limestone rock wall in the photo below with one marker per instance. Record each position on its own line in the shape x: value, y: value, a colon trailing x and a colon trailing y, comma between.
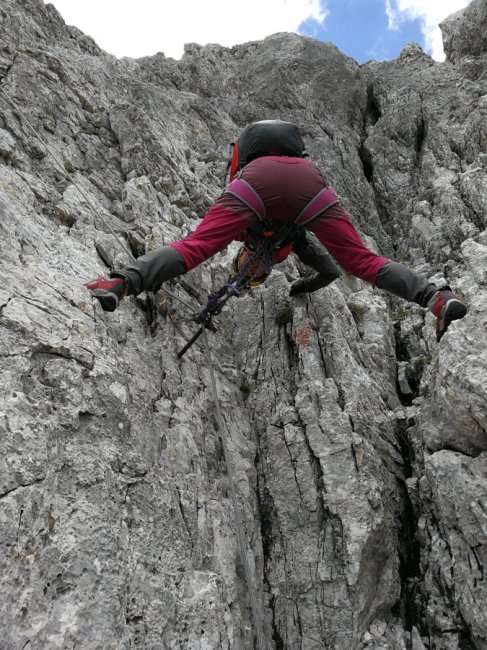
x: 357, y: 444
x: 464, y: 38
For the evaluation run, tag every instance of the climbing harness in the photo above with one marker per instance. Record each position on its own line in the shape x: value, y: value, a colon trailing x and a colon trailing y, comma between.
x: 206, y: 315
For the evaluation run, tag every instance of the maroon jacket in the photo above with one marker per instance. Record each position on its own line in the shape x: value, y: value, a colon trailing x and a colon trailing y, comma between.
x: 285, y: 185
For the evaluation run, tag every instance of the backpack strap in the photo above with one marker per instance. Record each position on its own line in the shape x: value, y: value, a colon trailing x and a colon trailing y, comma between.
x: 319, y: 203
x: 246, y: 193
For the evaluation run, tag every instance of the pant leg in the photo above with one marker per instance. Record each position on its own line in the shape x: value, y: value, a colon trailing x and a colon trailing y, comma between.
x: 311, y: 253
x: 337, y: 233
x: 405, y: 283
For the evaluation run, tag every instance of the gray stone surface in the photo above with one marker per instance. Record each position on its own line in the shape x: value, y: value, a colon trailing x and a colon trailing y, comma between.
x: 357, y: 443
x: 465, y: 41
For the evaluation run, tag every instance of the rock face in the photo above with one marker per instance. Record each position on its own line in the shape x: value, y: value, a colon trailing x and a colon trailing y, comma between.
x: 465, y: 39
x: 357, y: 446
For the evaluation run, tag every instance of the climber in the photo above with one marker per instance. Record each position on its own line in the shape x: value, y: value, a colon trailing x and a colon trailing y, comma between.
x: 274, y: 186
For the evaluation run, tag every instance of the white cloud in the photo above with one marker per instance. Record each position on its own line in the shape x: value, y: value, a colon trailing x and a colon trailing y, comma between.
x: 430, y: 13
x: 142, y: 28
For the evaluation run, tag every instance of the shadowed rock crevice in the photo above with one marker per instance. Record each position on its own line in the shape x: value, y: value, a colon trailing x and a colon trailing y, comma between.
x: 410, y: 605
x: 268, y: 531
x: 421, y: 133
x: 367, y: 163
x: 371, y: 115
x: 373, y: 112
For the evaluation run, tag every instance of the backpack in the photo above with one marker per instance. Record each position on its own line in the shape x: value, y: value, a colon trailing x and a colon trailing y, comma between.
x: 265, y: 138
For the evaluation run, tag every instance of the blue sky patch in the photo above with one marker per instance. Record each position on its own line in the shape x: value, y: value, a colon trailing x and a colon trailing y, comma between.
x: 360, y: 29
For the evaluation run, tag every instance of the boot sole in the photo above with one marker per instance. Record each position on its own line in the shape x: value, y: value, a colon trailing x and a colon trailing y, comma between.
x: 454, y: 310
x: 108, y: 300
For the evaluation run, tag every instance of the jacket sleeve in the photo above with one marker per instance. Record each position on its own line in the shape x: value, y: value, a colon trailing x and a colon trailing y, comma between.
x: 224, y: 222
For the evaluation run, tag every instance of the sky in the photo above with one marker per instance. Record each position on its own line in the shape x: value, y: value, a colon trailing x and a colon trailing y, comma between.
x: 362, y: 29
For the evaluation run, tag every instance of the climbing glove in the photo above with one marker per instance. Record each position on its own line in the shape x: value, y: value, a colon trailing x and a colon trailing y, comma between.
x: 109, y: 291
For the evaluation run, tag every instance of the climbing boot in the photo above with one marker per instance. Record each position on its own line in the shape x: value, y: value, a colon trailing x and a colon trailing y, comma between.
x: 312, y: 253
x: 109, y: 291
x: 447, y: 307
x: 310, y: 283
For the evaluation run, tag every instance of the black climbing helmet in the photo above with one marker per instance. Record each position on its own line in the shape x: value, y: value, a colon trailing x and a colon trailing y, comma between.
x: 266, y: 138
